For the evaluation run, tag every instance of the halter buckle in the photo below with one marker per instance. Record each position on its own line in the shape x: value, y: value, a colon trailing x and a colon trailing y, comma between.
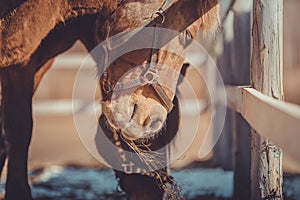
x: 158, y: 17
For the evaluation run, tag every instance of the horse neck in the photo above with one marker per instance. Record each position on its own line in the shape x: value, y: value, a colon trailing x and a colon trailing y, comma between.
x: 73, y: 8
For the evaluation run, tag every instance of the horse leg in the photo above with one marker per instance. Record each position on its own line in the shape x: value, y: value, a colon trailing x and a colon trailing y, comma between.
x: 2, y: 144
x: 17, y: 90
x: 138, y: 186
x: 18, y: 86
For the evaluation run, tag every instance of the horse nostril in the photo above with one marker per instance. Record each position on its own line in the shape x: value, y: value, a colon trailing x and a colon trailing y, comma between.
x: 135, y: 106
x: 147, y: 121
x: 156, y: 123
x: 156, y: 118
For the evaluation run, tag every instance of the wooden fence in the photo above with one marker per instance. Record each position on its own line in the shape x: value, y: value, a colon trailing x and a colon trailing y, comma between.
x: 260, y: 124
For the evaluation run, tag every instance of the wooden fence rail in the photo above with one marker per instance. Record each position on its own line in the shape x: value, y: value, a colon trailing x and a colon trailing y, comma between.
x: 276, y: 120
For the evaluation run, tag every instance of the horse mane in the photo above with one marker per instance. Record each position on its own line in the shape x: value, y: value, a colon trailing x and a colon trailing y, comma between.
x: 7, y: 6
x: 211, y: 19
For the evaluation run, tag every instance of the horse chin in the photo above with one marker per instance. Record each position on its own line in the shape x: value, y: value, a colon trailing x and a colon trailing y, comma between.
x: 142, y: 135
x: 135, y: 132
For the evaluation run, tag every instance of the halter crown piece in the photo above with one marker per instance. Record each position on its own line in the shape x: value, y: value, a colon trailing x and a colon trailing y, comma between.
x: 150, y: 77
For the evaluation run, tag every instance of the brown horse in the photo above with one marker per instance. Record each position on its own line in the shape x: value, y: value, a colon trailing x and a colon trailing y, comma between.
x: 33, y: 32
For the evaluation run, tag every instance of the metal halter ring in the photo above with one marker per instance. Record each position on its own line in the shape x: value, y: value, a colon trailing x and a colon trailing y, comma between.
x: 150, y: 77
x: 158, y: 17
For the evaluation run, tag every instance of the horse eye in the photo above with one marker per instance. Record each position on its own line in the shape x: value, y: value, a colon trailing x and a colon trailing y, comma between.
x: 186, y: 38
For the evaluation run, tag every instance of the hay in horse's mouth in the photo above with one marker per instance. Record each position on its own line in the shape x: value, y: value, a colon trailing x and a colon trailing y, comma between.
x: 141, y: 146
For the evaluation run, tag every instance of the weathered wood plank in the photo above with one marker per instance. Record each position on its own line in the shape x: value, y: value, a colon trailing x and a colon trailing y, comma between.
x: 266, y: 77
x: 267, y: 47
x: 277, y: 120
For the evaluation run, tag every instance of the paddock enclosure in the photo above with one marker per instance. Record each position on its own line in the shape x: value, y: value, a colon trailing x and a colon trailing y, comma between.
x: 255, y: 157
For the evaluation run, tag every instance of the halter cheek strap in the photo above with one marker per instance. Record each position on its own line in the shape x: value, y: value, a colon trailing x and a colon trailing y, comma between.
x: 159, y: 19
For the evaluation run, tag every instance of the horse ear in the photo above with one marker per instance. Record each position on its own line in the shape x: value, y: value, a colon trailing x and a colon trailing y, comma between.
x: 183, y: 72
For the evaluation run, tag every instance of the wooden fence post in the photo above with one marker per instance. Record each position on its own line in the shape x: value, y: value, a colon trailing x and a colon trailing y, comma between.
x: 234, y: 65
x: 266, y: 77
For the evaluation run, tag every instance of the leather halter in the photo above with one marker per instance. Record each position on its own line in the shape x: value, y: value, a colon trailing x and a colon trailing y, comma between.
x: 150, y: 77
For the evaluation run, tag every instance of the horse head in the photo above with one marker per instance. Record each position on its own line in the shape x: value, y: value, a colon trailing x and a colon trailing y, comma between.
x: 139, y: 86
